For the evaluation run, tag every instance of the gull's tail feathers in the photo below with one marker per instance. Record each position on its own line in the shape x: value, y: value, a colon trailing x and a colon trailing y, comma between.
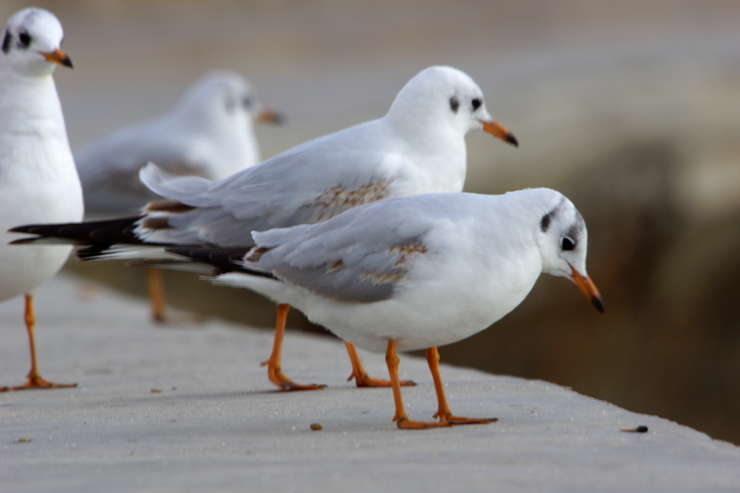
x: 110, y: 239
x: 87, y: 233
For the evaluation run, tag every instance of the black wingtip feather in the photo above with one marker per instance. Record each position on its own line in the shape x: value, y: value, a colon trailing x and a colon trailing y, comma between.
x: 93, y: 232
x: 224, y: 259
x: 92, y: 252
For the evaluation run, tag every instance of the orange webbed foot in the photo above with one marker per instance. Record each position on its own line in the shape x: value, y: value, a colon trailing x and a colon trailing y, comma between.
x: 38, y: 383
x: 459, y: 420
x: 277, y: 377
x: 407, y: 424
x: 367, y: 381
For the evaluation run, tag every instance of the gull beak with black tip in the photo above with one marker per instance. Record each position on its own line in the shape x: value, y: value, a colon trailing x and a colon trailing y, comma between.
x: 499, y: 131
x: 269, y: 116
x: 588, y: 288
x: 57, y: 56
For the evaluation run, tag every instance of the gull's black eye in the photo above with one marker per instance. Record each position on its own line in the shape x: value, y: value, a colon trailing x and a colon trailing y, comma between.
x: 247, y: 102
x: 24, y: 38
x: 567, y: 243
x: 476, y: 102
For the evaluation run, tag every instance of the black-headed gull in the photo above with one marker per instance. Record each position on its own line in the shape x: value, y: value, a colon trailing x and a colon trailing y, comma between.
x: 209, y: 133
x: 417, y: 147
x: 38, y: 179
x: 415, y: 272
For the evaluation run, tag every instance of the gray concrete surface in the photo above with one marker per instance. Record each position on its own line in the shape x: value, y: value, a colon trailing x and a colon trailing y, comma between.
x: 218, y: 425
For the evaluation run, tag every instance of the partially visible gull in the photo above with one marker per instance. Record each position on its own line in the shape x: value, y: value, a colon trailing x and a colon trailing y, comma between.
x: 38, y: 179
x: 209, y: 133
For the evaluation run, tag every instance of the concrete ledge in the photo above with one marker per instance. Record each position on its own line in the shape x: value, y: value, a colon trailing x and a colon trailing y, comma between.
x: 217, y: 423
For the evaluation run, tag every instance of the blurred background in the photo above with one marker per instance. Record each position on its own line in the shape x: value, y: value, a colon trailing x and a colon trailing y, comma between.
x: 629, y: 107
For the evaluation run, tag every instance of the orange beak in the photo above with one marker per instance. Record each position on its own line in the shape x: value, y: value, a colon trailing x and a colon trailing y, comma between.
x: 499, y: 131
x: 269, y: 116
x: 57, y: 56
x: 589, y: 289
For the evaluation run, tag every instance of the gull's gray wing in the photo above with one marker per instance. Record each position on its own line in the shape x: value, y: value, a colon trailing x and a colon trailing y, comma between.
x: 359, y: 256
x: 309, y: 183
x: 109, y: 167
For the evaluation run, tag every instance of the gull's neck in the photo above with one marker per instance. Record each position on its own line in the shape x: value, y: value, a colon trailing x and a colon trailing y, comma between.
x: 440, y: 150
x: 418, y: 126
x: 29, y: 105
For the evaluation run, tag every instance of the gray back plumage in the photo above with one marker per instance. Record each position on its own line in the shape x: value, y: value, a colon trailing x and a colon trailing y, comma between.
x: 359, y: 256
x: 286, y: 190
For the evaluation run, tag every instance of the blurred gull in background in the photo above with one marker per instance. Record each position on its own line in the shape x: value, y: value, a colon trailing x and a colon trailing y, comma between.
x: 209, y: 133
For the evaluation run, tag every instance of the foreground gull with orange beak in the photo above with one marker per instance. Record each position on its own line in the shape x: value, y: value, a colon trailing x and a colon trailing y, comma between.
x: 588, y: 289
x: 417, y: 147
x: 38, y: 180
x: 415, y: 272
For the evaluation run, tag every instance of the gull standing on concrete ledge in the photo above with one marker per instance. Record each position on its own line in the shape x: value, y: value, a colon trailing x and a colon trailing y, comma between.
x: 415, y: 272
x: 38, y: 179
x: 209, y: 133
x: 417, y: 147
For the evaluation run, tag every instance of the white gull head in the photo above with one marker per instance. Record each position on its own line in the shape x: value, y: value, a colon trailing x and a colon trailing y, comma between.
x: 32, y: 43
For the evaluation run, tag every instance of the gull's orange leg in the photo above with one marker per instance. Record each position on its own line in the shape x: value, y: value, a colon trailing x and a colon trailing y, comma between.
x: 443, y: 410
x: 34, y: 379
x: 155, y: 283
x: 401, y: 419
x: 274, y: 373
x: 156, y: 295
x: 360, y: 375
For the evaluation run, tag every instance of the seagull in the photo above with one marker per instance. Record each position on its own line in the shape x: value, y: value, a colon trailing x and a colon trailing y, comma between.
x: 209, y: 133
x: 416, y: 272
x: 417, y: 147
x: 38, y: 179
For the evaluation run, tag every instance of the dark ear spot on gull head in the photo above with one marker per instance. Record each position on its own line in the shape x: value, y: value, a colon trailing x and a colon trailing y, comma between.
x: 6, y: 41
x: 547, y: 218
x: 454, y: 104
x: 545, y: 222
